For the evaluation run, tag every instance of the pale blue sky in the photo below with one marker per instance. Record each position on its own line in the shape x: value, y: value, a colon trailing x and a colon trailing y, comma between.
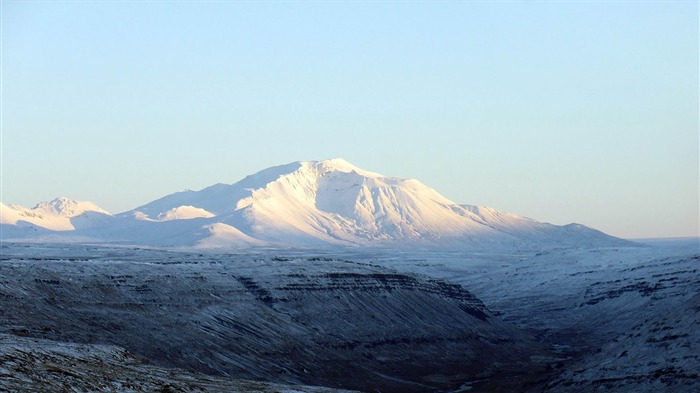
x: 561, y: 111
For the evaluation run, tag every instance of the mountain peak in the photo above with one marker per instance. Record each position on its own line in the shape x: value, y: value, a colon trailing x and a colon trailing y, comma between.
x: 67, y: 207
x: 337, y: 165
x: 336, y: 161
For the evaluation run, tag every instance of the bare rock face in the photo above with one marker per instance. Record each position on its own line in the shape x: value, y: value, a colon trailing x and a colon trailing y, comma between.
x: 312, y: 321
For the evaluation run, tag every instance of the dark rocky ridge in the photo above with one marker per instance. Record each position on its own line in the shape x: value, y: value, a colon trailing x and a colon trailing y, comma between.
x: 320, y: 322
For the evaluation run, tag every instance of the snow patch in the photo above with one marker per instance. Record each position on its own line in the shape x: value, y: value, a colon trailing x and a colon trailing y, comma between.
x: 224, y: 236
x: 184, y: 213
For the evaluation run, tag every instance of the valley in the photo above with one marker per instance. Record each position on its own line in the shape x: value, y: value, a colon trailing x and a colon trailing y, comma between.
x: 361, y: 319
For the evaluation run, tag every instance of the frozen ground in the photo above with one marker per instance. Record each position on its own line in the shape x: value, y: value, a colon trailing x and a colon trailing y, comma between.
x: 36, y: 365
x: 561, y: 319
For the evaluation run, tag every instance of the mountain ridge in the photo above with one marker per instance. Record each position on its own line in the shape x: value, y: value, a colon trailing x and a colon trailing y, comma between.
x: 304, y: 203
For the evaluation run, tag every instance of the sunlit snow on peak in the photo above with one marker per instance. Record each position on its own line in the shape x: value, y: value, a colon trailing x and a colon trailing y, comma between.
x: 303, y: 203
x: 66, y: 207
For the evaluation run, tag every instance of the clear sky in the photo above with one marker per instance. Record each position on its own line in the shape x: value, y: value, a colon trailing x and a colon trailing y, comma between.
x: 560, y: 111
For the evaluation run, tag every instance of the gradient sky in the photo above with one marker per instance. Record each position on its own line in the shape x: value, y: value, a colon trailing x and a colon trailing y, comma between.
x: 560, y: 111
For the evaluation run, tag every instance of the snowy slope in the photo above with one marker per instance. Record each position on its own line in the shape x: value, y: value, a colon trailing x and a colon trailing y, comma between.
x: 530, y: 230
x: 184, y: 213
x: 60, y: 214
x: 336, y: 202
x: 308, y: 203
x: 322, y: 202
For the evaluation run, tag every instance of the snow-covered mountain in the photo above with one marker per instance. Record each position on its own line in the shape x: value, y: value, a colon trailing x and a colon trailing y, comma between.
x: 60, y: 214
x: 307, y: 203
